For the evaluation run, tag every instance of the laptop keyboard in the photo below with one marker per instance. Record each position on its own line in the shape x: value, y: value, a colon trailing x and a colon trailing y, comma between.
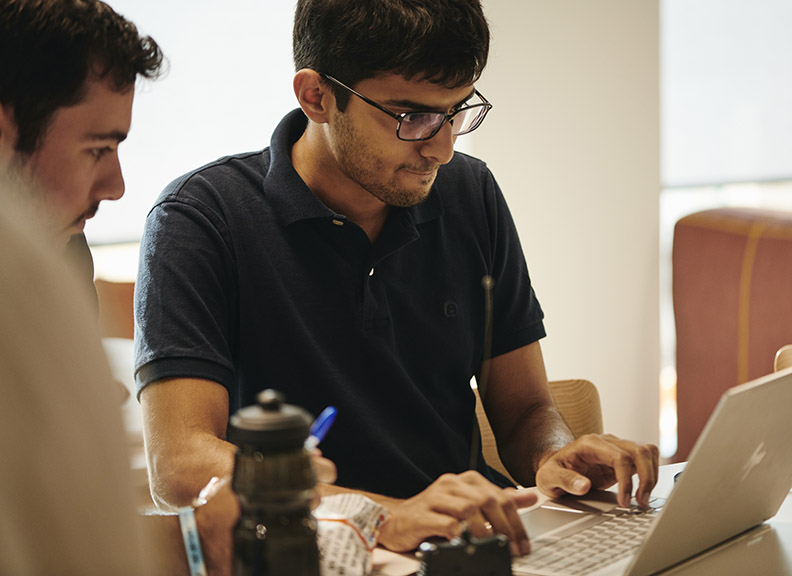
x: 617, y: 536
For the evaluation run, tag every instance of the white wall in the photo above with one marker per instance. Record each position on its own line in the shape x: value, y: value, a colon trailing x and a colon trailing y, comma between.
x: 573, y: 140
x: 227, y: 87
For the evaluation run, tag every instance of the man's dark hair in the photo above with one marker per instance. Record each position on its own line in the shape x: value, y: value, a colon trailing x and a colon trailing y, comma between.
x: 49, y: 48
x: 443, y: 41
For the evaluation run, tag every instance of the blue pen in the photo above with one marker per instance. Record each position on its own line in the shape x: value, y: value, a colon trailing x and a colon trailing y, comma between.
x: 320, y: 427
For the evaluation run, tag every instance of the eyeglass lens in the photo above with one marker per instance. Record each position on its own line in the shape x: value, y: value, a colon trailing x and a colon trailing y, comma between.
x: 422, y: 125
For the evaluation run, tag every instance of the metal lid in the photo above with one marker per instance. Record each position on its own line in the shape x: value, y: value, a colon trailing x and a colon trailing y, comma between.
x: 270, y: 425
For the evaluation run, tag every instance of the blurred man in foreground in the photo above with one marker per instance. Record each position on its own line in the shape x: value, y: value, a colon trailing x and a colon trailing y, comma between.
x: 68, y: 70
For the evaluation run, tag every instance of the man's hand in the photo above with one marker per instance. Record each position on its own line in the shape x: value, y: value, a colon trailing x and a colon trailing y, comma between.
x: 325, y: 471
x: 216, y: 519
x: 598, y: 462
x: 450, y: 500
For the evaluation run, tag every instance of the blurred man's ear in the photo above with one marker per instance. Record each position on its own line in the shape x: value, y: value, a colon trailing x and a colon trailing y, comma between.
x: 8, y: 130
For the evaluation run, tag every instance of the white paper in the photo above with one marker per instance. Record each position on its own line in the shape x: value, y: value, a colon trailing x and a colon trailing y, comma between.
x: 349, y: 526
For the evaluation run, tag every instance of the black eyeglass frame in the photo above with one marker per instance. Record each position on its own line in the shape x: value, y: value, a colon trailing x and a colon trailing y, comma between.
x: 485, y: 104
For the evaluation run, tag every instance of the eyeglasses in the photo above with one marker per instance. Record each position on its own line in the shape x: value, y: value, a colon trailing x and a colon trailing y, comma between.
x: 415, y: 126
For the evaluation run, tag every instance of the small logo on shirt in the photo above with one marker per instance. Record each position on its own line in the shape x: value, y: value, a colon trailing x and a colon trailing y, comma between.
x: 450, y: 309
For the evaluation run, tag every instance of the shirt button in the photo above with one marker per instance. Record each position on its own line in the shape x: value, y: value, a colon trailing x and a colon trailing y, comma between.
x: 371, y: 272
x: 338, y: 222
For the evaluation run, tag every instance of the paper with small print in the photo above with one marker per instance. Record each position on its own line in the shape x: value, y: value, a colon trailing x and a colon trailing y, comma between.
x: 348, y: 529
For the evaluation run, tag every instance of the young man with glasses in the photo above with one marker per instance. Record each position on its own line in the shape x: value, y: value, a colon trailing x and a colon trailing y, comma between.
x: 343, y: 265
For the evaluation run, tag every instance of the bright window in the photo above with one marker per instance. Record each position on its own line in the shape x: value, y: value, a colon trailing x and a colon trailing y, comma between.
x: 228, y: 86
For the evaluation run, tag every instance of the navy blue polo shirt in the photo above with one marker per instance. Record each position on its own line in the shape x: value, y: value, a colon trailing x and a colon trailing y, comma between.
x: 247, y: 279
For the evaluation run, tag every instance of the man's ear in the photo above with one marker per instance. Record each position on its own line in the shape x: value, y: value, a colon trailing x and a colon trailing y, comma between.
x: 8, y: 129
x: 314, y: 95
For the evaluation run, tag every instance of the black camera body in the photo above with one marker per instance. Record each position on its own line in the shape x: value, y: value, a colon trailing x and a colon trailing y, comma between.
x: 466, y: 556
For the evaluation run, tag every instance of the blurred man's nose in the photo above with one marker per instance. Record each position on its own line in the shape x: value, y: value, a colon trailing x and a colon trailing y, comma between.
x: 110, y: 185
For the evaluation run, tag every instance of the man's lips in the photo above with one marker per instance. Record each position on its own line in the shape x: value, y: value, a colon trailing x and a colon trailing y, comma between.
x: 87, y: 215
x: 422, y: 172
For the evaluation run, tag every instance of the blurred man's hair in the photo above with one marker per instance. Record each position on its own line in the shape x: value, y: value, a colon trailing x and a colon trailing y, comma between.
x: 49, y: 48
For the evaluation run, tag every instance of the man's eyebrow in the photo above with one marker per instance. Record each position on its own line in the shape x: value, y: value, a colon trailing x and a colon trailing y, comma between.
x: 113, y: 135
x: 412, y: 105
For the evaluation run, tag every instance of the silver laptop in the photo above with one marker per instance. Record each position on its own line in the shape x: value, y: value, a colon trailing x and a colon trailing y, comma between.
x: 738, y: 474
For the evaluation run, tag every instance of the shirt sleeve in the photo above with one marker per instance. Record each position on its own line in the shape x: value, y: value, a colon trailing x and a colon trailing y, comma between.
x: 185, y: 292
x: 518, y: 318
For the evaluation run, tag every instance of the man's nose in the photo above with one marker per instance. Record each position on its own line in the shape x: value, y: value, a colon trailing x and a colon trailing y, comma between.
x: 440, y: 147
x: 110, y: 185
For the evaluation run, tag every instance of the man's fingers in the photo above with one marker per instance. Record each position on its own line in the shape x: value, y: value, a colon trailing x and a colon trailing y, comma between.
x: 601, y: 460
x: 499, y: 507
x: 410, y: 526
x: 492, y: 519
x: 647, y: 465
x: 451, y: 501
x: 324, y: 469
x: 521, y: 498
x: 623, y: 469
x: 479, y: 527
x: 610, y: 452
x: 485, y: 507
x: 558, y: 480
x: 644, y: 460
x: 456, y: 505
x: 502, y: 514
x: 437, y: 524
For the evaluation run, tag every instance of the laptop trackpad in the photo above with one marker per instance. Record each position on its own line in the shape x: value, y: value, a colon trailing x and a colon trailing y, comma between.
x: 542, y: 520
x: 559, y: 512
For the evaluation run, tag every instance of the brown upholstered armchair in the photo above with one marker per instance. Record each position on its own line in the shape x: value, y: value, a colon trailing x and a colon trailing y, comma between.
x: 732, y: 292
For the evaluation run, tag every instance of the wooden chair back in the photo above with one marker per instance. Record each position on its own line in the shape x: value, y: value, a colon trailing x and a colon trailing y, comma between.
x: 783, y: 358
x: 116, y: 316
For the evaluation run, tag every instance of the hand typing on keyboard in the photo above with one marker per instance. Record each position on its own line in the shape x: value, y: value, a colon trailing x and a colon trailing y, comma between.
x: 453, y: 502
x: 598, y: 462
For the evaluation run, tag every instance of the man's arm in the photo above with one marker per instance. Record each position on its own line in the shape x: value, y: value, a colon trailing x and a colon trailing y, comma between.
x: 524, y: 419
x: 215, y: 521
x: 536, y: 445
x: 184, y: 421
x: 184, y: 424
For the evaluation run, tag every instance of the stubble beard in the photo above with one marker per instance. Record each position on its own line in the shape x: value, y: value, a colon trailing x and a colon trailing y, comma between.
x: 31, y: 197
x: 363, y: 165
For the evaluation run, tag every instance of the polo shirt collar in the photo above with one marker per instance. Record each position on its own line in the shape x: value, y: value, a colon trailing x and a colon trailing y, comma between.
x: 294, y: 201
